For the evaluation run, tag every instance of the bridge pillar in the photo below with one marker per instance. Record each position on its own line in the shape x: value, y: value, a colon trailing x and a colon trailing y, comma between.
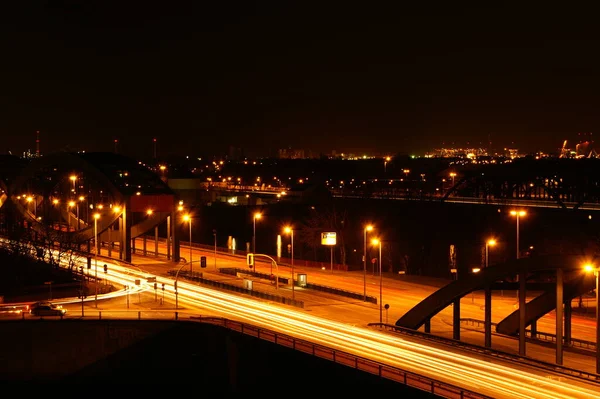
x: 488, y: 316
x: 428, y: 325
x: 121, y: 235
x: 456, y: 320
x: 522, y: 305
x: 156, y: 241
x: 176, y: 256
x: 559, y: 316
x: 533, y: 328
x: 169, y: 237
x: 127, y: 219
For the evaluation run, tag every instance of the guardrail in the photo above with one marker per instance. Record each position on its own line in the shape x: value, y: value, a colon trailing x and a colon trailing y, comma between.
x: 396, y: 374
x: 230, y: 287
x: 542, y: 336
x: 317, y: 287
x: 492, y: 352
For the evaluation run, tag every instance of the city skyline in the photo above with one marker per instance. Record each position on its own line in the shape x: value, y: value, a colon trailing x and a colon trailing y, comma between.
x: 202, y: 78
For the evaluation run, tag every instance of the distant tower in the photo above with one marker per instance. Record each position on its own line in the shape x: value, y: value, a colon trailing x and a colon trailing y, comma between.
x: 37, y: 143
x: 154, y: 140
x: 116, y: 146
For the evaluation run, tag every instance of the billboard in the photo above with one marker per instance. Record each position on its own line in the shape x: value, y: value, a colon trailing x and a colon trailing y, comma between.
x: 328, y: 238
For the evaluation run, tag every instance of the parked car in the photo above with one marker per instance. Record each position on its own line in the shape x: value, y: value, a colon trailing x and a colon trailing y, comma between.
x: 47, y: 309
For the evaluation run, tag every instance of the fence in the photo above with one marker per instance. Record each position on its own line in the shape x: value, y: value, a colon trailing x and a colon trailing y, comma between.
x: 395, y: 374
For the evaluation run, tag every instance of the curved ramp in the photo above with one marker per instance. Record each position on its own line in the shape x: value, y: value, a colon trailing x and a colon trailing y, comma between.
x: 457, y: 289
x: 545, y: 303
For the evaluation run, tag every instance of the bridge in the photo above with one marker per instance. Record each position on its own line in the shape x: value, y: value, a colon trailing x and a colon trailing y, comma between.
x: 74, y: 198
x: 550, y: 183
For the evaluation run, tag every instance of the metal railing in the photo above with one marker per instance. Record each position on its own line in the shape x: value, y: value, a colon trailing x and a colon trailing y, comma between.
x: 491, y: 352
x: 396, y: 374
x: 541, y: 336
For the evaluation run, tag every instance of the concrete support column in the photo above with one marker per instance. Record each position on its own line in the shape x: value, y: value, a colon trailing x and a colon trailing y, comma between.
x: 456, y: 320
x: 176, y: 244
x: 522, y: 317
x: 127, y: 229
x: 169, y: 237
x: 156, y: 241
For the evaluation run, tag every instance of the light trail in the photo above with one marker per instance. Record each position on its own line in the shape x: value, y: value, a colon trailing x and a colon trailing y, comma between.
x: 498, y: 379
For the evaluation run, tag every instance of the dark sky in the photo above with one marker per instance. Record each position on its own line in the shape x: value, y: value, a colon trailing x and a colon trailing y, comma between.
x: 351, y: 76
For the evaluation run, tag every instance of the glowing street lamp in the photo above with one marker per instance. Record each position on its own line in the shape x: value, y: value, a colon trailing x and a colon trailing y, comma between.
x: 96, y: 217
x: 188, y: 218
x: 518, y: 215
x: 488, y: 243
x: 290, y: 231
x: 590, y: 268
x: 452, y: 175
x: 366, y: 229
x: 256, y: 216
x: 376, y: 241
x: 73, y: 178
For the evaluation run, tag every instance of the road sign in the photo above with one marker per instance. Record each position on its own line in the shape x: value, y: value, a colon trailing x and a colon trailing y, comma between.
x: 203, y: 261
x: 250, y: 259
x: 328, y: 238
x: 151, y: 279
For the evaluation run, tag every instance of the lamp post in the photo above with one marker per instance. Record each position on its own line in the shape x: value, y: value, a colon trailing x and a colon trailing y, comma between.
x: 71, y: 204
x: 96, y: 217
x: 385, y: 161
x: 256, y: 216
x: 596, y: 271
x: 378, y: 242
x: 452, y: 175
x: 290, y: 231
x: 489, y: 243
x: 73, y: 178
x: 215, y: 235
x: 188, y: 218
x: 366, y: 229
x: 518, y: 214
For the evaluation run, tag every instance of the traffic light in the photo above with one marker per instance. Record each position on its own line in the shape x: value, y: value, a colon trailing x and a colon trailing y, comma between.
x: 250, y: 260
x: 155, y: 286
x: 203, y: 261
x: 163, y: 286
x: 105, y: 268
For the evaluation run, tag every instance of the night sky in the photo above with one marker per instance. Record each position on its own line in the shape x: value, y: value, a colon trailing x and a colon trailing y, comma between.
x: 201, y: 76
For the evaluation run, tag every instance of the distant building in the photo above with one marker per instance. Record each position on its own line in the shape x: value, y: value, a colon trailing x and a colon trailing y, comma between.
x: 289, y: 153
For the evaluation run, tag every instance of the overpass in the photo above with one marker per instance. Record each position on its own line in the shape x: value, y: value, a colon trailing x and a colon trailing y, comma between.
x: 569, y: 282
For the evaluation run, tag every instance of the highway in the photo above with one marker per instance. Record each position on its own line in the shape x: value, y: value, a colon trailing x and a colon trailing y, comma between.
x: 489, y: 376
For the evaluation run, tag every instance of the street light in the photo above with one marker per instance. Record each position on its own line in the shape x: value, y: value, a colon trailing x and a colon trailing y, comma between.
x: 96, y: 217
x: 188, y: 218
x: 256, y: 216
x: 215, y: 235
x: 376, y: 241
x: 518, y: 214
x: 71, y: 204
x: 385, y: 161
x: 592, y: 268
x: 73, y: 179
x: 488, y: 243
x: 290, y: 231
x: 452, y: 175
x: 366, y: 229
